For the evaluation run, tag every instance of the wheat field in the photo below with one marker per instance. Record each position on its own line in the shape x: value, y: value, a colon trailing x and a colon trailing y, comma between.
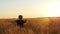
x: 47, y: 25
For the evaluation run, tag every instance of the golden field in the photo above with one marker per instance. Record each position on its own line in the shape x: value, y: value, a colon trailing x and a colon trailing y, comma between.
x: 47, y: 25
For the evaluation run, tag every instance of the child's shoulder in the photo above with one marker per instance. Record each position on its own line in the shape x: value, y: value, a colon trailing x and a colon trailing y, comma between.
x: 19, y: 20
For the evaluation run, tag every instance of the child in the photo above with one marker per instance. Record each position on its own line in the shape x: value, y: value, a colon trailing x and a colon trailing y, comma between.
x: 20, y: 21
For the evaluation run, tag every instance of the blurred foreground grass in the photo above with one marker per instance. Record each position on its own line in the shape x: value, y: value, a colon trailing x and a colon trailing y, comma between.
x: 32, y: 26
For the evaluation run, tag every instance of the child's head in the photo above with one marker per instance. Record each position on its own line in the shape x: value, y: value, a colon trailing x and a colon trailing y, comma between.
x: 20, y: 17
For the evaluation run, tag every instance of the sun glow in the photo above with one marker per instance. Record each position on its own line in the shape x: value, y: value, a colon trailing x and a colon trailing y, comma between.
x: 53, y: 10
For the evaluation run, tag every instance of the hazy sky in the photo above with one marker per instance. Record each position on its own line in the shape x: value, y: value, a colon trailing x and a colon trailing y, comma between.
x: 27, y: 8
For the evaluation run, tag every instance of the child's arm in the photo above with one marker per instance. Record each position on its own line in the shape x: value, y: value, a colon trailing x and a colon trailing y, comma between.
x: 25, y: 21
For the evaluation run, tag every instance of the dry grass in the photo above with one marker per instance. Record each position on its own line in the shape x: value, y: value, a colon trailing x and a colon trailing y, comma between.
x: 32, y: 26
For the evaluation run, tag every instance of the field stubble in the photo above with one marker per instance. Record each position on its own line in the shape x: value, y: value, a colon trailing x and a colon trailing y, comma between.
x: 32, y: 26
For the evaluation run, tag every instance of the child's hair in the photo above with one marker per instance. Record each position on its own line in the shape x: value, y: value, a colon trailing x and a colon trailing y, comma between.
x: 20, y: 16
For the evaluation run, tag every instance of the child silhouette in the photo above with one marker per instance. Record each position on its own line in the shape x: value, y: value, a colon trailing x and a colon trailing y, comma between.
x: 20, y: 21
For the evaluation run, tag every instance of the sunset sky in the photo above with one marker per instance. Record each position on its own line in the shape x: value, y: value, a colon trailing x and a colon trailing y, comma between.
x: 29, y: 8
